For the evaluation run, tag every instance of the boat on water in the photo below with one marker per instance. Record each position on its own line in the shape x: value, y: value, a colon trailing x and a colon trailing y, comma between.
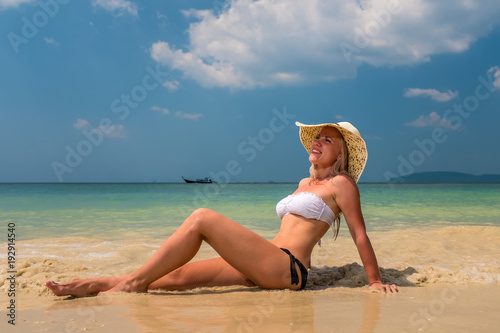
x: 205, y: 180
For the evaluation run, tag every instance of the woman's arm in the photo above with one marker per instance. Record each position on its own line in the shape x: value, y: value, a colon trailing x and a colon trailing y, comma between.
x: 347, y: 198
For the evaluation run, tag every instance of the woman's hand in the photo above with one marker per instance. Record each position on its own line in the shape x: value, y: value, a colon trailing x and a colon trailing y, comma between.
x: 385, y: 288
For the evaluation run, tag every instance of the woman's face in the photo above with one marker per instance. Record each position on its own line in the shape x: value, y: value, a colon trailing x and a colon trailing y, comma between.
x: 325, y: 150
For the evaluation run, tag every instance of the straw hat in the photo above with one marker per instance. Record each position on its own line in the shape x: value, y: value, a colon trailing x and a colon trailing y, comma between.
x: 356, y: 146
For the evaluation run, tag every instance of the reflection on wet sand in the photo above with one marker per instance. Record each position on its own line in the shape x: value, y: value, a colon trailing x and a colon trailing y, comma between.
x: 228, y: 310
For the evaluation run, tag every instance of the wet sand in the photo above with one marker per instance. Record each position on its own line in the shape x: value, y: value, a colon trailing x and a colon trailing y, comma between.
x: 433, y: 308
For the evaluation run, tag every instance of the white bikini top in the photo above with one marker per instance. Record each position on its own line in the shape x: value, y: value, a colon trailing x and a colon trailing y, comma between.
x: 306, y: 204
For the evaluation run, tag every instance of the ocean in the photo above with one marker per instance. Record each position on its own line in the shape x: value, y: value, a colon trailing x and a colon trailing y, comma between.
x: 108, y: 210
x: 422, y: 233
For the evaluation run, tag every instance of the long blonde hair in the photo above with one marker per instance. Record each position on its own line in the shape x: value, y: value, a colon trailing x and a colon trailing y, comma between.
x: 338, y: 168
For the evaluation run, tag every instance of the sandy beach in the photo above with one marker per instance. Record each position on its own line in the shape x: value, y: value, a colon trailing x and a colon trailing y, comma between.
x: 448, y: 279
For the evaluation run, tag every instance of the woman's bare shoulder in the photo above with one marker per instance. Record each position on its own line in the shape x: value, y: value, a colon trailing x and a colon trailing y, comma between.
x: 304, y: 181
x: 344, y: 183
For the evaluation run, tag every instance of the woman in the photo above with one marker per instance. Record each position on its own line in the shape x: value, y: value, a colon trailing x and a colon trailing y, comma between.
x: 338, y: 156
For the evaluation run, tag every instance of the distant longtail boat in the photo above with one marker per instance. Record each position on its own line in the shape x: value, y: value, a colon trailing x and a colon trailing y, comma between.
x: 205, y: 180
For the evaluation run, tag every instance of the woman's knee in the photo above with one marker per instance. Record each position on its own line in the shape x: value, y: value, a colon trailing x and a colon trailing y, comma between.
x: 201, y: 217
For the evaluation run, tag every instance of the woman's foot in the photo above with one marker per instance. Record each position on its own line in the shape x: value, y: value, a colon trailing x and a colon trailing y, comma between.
x: 129, y: 285
x: 84, y: 287
x: 78, y: 288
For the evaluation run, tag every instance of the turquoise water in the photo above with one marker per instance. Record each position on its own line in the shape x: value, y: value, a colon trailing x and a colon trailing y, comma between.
x: 125, y: 210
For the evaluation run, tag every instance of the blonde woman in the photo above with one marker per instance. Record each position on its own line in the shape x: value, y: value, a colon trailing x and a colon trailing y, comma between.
x: 338, y: 155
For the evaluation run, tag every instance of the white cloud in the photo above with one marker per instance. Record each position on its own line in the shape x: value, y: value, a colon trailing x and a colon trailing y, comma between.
x: 495, y: 72
x: 111, y: 131
x: 432, y: 93
x: 162, y: 110
x: 13, y: 3
x: 288, y: 42
x: 171, y: 85
x: 81, y: 123
x: 190, y: 116
x: 162, y: 19
x: 50, y: 41
x: 178, y: 114
x: 161, y: 16
x: 432, y: 120
x: 118, y: 7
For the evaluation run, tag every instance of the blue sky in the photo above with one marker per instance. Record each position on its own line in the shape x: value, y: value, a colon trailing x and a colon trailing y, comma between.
x: 141, y: 91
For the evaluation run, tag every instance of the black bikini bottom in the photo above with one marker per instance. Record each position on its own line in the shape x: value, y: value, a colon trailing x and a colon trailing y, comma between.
x: 293, y: 270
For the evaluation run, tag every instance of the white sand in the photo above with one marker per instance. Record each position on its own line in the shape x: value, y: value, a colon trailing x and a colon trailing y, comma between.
x: 448, y: 277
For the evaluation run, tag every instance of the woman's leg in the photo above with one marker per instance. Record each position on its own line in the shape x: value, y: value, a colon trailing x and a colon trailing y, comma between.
x: 204, y: 273
x: 214, y: 272
x: 256, y: 258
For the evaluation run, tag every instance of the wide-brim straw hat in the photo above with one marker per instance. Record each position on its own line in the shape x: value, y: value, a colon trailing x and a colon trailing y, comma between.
x: 356, y: 146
